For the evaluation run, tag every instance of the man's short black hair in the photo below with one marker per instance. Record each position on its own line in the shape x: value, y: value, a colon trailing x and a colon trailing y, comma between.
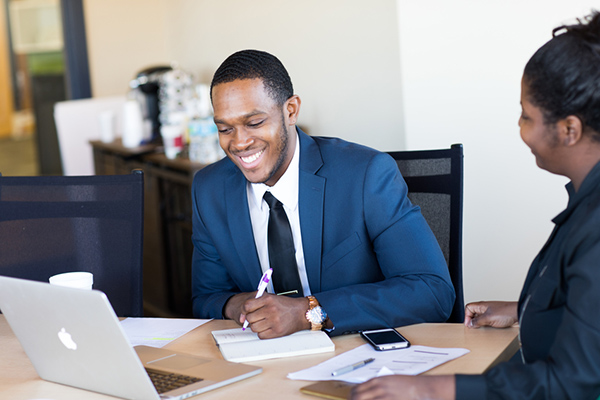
x: 255, y: 64
x: 563, y: 76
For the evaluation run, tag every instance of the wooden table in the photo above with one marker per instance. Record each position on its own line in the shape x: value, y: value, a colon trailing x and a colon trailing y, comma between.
x: 19, y: 381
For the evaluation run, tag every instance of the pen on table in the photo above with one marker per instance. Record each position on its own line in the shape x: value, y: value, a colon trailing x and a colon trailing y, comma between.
x: 352, y: 367
x: 262, y: 286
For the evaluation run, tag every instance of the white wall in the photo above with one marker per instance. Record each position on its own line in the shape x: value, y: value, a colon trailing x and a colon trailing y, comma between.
x: 123, y: 37
x: 342, y: 55
x: 461, y: 64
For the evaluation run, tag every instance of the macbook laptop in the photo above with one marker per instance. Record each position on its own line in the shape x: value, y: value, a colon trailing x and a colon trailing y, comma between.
x: 73, y: 337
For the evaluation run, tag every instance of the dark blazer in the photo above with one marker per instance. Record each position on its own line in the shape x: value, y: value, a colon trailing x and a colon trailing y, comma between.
x: 559, y: 313
x: 371, y: 259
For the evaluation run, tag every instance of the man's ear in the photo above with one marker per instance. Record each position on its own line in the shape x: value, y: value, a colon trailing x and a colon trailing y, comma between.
x: 571, y: 130
x: 291, y: 109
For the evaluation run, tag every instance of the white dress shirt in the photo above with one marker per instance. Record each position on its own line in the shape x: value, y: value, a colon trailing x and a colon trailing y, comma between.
x: 286, y: 191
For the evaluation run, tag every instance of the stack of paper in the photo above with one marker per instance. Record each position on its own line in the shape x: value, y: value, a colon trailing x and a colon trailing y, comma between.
x: 157, y: 332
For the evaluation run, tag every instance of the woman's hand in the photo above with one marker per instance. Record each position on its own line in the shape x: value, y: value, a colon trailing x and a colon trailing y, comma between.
x: 497, y: 314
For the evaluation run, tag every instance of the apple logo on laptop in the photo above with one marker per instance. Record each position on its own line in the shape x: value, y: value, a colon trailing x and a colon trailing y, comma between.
x: 67, y: 340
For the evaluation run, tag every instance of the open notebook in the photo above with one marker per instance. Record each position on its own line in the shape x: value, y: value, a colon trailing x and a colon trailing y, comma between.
x: 244, y: 346
x: 73, y: 337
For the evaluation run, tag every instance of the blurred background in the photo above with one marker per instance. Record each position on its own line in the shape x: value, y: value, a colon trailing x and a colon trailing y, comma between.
x: 390, y: 74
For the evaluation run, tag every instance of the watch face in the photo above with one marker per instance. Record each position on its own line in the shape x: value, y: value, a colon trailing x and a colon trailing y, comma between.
x: 316, y: 315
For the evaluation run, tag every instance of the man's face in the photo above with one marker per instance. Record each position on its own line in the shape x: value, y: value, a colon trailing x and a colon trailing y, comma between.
x: 255, y: 133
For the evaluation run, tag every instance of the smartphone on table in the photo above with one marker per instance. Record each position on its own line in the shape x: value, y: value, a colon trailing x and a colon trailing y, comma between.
x: 385, y: 339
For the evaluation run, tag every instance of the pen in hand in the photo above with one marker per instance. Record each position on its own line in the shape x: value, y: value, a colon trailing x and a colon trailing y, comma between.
x: 352, y: 367
x: 262, y: 286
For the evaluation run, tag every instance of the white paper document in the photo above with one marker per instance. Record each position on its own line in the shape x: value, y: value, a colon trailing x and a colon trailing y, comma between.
x: 157, y: 332
x: 410, y: 361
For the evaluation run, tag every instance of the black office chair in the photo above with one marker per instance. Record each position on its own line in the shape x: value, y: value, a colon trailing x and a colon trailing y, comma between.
x: 435, y: 183
x: 55, y: 224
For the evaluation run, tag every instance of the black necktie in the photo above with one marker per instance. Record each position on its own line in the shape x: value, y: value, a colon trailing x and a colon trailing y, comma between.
x: 282, y: 254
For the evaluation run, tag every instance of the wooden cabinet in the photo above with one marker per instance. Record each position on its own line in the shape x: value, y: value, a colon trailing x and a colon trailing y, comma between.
x: 167, y: 222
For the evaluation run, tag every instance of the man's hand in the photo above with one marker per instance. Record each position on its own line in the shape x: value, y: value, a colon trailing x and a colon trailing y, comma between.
x: 269, y: 316
x: 497, y: 314
x: 233, y: 307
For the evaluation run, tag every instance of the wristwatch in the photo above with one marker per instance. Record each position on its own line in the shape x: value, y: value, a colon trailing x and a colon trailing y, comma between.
x: 315, y: 314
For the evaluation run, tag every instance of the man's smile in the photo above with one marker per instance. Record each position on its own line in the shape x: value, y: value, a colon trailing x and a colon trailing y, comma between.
x: 252, y: 158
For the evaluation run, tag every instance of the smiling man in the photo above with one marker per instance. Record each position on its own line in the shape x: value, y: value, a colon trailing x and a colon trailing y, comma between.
x: 331, y: 218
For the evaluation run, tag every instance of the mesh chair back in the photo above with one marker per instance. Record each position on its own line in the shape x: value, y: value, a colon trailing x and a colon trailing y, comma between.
x: 56, y: 224
x: 435, y: 183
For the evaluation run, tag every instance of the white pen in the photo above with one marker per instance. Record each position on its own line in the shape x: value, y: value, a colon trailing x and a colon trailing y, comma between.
x: 262, y: 286
x: 352, y: 367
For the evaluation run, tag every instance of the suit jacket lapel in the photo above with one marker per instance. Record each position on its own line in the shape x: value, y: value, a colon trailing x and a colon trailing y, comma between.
x: 240, y: 225
x: 311, y: 202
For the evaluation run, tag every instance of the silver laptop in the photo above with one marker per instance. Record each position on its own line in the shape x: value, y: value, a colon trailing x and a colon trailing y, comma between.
x: 73, y: 337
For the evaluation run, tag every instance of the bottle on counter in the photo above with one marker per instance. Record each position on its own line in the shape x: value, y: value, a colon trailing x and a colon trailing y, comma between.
x: 172, y: 130
x: 202, y: 132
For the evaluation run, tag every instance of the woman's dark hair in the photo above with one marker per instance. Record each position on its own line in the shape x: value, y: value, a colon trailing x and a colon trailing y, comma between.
x: 563, y: 76
x: 255, y: 64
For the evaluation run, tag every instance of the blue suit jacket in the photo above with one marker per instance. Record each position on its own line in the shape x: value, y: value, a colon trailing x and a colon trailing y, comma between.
x: 371, y: 259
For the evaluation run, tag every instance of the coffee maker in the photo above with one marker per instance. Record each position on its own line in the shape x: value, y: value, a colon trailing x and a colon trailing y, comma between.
x: 145, y: 89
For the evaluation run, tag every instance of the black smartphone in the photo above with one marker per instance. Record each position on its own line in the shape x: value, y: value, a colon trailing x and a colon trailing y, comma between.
x: 385, y: 339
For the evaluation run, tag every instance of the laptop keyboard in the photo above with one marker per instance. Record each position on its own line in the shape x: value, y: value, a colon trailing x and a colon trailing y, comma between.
x: 164, y: 381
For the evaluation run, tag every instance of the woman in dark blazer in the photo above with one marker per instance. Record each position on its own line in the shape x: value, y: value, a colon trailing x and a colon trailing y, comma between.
x: 559, y: 308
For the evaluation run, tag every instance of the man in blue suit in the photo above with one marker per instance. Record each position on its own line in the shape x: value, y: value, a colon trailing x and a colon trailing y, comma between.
x: 365, y: 257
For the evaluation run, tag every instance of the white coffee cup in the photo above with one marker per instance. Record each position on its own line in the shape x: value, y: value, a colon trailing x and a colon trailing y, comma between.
x: 107, y: 126
x: 133, y: 124
x: 80, y: 280
x: 172, y: 136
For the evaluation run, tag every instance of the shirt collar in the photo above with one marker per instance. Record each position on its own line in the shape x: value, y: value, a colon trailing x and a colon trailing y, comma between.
x: 286, y: 188
x: 590, y: 184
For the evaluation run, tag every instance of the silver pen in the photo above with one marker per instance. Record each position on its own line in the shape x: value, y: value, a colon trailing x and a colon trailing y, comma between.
x: 352, y: 367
